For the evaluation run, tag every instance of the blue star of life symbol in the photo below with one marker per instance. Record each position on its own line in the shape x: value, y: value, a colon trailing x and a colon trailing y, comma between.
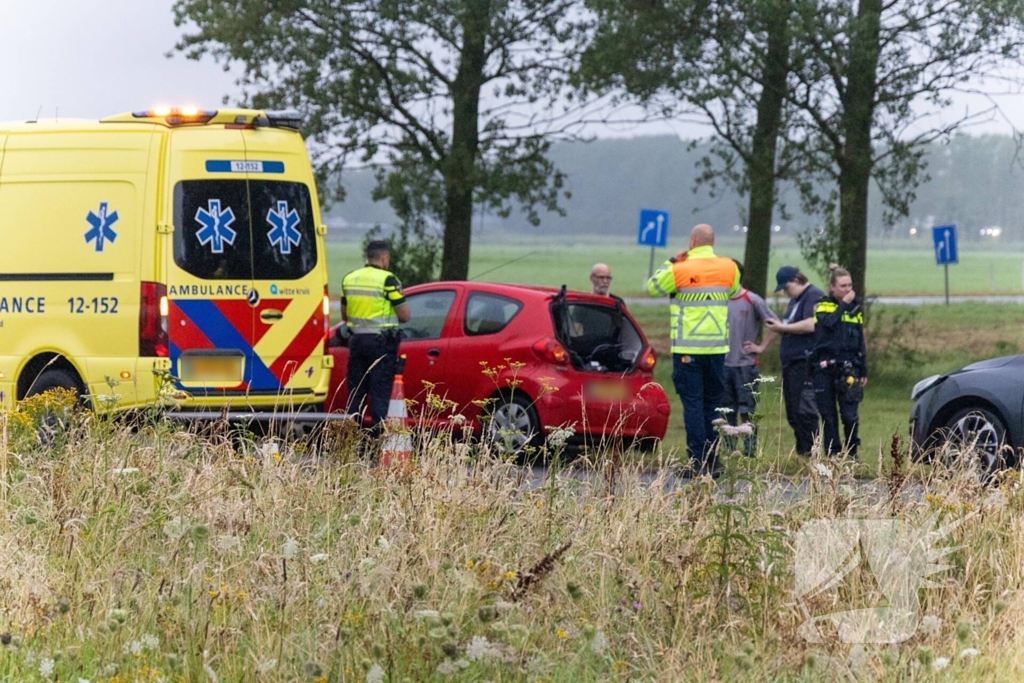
x: 216, y: 226
x: 101, y: 230
x: 283, y: 232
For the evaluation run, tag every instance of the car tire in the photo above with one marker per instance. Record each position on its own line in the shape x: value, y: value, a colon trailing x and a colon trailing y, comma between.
x: 512, y: 425
x: 982, y: 430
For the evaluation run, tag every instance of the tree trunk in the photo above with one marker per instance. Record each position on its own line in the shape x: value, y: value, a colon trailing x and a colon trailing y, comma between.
x: 761, y: 170
x: 857, y: 159
x: 460, y: 166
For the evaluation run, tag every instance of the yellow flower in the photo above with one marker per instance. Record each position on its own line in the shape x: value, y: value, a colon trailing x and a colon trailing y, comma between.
x: 470, y: 564
x: 562, y: 633
x: 509, y: 575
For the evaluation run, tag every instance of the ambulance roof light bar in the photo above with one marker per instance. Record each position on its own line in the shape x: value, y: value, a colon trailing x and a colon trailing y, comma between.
x: 176, y: 116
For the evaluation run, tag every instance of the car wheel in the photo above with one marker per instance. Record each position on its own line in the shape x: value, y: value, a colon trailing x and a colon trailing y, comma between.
x: 982, y: 431
x: 512, y: 424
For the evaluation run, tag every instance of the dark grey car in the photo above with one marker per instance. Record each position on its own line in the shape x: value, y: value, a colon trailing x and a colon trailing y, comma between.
x: 981, y: 405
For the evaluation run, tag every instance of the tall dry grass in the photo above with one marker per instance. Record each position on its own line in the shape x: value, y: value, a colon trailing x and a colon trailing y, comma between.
x: 162, y: 553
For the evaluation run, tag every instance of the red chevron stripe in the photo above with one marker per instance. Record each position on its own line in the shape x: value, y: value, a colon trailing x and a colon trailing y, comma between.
x: 304, y: 343
x: 187, y: 336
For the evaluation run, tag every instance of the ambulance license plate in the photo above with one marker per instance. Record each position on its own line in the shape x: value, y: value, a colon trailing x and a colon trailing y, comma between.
x: 606, y: 390
x: 210, y: 368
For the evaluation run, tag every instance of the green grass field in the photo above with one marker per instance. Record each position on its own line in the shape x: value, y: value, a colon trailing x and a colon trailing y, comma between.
x: 903, y: 268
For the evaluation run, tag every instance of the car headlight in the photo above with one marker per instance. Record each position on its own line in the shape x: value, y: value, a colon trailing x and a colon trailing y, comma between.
x: 924, y: 385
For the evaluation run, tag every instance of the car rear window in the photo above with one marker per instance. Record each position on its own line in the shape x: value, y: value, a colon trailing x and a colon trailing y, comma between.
x: 600, y: 338
x: 489, y: 313
x: 244, y: 229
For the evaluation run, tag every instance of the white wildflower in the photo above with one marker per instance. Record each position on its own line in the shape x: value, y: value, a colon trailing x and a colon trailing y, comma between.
x: 319, y: 557
x: 557, y: 436
x: 366, y: 564
x: 462, y: 663
x: 599, y: 642
x: 458, y: 419
x: 174, y: 528
x: 383, y: 544
x: 290, y: 548
x: 724, y: 411
x: 46, y: 667
x: 447, y: 667
x: 83, y: 680
x: 225, y: 543
x: 823, y: 469
x: 133, y: 648
x: 125, y: 470
x: 940, y: 663
x: 479, y: 648
x: 266, y: 666
x: 969, y: 652
x: 769, y: 378
x: 375, y: 674
x: 930, y: 624
x: 150, y: 642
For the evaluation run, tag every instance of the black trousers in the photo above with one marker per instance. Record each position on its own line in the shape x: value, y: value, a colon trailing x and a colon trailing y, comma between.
x: 371, y: 372
x: 801, y: 408
x: 827, y: 397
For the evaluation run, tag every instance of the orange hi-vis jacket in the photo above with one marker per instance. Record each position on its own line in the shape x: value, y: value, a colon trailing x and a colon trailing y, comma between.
x: 700, y: 286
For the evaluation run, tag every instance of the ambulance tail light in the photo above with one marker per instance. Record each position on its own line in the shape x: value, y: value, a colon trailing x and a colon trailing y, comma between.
x: 327, y: 320
x: 153, y: 310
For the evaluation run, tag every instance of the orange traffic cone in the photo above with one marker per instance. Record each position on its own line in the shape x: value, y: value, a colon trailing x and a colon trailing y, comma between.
x: 397, y: 448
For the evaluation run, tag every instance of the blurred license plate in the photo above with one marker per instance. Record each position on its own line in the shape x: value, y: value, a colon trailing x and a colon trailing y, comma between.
x: 607, y: 390
x: 211, y: 368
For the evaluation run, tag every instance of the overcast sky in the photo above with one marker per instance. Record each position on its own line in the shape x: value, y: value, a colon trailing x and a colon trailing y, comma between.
x: 92, y: 58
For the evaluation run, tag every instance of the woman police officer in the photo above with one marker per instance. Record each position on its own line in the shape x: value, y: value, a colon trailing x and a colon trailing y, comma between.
x: 839, y: 362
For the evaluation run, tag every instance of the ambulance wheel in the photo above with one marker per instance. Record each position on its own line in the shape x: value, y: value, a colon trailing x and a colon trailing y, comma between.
x: 512, y: 425
x: 54, y: 423
x: 55, y: 378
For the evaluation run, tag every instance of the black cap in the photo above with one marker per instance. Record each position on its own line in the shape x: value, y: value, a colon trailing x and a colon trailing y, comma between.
x: 785, y: 274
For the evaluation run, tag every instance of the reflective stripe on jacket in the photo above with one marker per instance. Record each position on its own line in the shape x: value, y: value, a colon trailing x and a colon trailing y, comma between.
x: 370, y: 295
x: 700, y: 286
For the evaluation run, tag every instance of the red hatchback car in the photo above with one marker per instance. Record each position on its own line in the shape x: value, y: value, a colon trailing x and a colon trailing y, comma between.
x: 518, y: 361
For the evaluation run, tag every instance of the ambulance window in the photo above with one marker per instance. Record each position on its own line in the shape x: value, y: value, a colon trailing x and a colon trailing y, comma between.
x: 284, y: 235
x: 211, y: 229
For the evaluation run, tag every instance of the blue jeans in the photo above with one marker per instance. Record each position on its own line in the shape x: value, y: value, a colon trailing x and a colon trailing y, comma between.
x: 700, y: 383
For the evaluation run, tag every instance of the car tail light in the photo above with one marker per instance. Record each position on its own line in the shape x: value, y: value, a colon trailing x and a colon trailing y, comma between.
x: 648, y: 359
x: 153, y: 309
x: 551, y: 351
x: 327, y: 319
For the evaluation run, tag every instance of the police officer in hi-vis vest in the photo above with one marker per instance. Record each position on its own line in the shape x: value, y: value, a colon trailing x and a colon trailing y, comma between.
x: 372, y: 304
x: 700, y: 284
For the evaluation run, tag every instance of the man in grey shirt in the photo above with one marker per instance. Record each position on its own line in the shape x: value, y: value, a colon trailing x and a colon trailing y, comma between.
x: 747, y: 315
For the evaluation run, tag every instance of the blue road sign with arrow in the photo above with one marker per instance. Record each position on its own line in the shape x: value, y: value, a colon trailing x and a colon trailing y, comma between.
x: 653, y: 230
x: 944, y: 237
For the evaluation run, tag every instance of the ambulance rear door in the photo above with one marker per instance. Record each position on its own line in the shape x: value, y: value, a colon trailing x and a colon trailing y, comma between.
x: 208, y: 265
x: 289, y: 274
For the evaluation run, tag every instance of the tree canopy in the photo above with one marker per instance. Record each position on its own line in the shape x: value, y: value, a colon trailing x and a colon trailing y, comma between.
x: 451, y: 101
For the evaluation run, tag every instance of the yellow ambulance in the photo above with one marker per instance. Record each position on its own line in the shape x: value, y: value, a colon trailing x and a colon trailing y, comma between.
x: 166, y: 248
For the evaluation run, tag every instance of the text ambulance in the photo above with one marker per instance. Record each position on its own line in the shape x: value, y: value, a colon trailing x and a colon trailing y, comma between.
x: 176, y: 246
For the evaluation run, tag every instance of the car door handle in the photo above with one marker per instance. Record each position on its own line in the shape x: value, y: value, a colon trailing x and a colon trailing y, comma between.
x: 434, y: 352
x: 271, y: 315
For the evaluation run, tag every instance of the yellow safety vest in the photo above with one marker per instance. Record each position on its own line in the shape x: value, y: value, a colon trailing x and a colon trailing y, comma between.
x: 370, y: 299
x: 700, y: 286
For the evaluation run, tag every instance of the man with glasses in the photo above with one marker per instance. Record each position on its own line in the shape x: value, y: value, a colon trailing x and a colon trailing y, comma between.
x: 601, y: 278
